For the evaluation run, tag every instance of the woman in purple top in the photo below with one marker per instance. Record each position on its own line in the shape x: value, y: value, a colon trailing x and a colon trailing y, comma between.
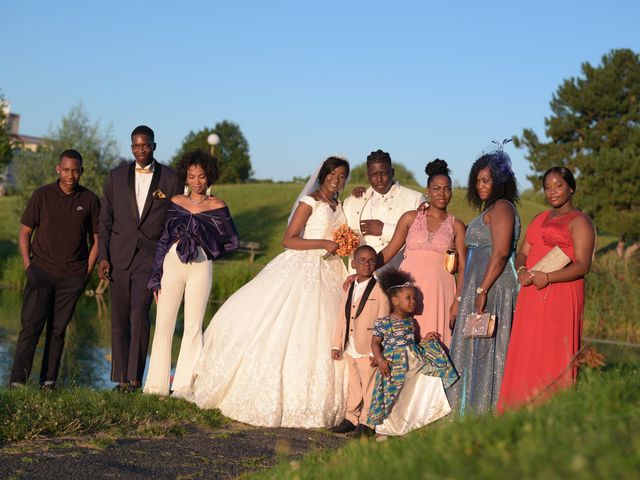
x: 199, y: 230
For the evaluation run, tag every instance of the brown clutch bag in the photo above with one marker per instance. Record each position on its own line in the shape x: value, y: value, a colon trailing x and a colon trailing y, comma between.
x: 479, y: 326
x: 554, y: 260
x: 451, y: 261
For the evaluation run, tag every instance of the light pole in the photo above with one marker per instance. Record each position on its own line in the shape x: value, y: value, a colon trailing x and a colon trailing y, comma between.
x: 213, y: 140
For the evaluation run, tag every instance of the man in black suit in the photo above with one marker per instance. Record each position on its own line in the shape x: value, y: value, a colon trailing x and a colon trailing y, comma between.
x: 134, y: 207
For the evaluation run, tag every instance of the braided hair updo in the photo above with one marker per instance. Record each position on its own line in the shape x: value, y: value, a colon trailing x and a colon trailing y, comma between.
x: 435, y: 168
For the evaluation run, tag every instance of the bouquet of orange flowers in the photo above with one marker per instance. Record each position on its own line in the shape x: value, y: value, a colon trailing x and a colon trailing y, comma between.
x: 346, y: 239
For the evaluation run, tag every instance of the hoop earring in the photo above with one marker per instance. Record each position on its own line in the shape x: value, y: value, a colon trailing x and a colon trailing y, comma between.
x: 208, y: 192
x: 186, y: 190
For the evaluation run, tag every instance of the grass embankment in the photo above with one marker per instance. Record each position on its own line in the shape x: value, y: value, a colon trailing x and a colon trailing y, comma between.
x: 27, y: 413
x: 590, y: 432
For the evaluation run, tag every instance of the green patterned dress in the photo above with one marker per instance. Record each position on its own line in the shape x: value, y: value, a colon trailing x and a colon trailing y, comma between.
x: 400, y: 349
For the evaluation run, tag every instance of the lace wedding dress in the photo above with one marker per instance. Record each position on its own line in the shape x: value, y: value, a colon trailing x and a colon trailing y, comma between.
x: 266, y: 359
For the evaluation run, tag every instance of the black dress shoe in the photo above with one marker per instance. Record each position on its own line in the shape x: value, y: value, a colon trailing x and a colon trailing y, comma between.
x: 362, y: 431
x: 48, y: 387
x: 345, y: 426
x: 121, y: 388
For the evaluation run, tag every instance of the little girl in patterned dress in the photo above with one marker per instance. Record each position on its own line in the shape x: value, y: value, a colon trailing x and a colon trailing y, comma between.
x: 411, y: 378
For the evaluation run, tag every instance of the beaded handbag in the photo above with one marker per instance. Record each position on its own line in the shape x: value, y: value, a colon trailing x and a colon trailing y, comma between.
x: 479, y: 325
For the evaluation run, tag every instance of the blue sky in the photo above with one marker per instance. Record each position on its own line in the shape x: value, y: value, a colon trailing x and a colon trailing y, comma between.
x: 304, y: 80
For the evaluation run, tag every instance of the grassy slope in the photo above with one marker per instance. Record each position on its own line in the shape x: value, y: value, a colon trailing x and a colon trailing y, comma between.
x: 589, y: 433
x: 27, y: 413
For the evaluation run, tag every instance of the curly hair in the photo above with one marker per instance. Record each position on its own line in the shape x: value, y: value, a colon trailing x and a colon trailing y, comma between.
x: 379, y: 157
x: 201, y: 158
x: 329, y: 165
x: 435, y: 168
x: 391, y: 278
x: 505, y: 186
x: 565, y: 173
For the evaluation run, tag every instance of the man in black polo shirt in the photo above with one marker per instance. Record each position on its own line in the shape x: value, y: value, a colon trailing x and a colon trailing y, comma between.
x: 59, y: 226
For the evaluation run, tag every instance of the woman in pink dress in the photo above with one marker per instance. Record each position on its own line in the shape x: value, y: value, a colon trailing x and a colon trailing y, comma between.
x: 547, y: 324
x: 427, y: 235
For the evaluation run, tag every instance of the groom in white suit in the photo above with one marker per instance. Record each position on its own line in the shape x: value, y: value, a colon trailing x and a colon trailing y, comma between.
x: 375, y: 213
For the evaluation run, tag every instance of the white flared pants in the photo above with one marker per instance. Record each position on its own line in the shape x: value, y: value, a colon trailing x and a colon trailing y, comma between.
x: 193, y: 281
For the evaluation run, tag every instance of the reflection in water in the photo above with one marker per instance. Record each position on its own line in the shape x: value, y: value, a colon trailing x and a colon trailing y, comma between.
x: 86, y: 359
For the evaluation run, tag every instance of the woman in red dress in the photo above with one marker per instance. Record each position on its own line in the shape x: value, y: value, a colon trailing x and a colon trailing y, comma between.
x: 547, y: 324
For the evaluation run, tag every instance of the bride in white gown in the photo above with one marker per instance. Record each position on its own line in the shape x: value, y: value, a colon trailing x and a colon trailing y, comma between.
x: 266, y: 358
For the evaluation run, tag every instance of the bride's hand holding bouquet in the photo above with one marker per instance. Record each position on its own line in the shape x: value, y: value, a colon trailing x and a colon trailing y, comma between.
x: 346, y: 241
x: 331, y: 247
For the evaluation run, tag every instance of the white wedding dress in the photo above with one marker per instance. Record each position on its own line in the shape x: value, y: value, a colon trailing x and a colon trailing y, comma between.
x: 266, y: 359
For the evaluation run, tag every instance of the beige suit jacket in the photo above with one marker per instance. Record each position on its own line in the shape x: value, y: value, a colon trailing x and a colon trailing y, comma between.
x: 361, y: 327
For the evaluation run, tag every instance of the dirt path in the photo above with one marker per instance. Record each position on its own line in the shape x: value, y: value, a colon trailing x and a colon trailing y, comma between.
x: 200, y: 453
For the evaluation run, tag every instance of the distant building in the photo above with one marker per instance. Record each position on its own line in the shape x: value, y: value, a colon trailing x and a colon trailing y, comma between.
x: 19, y: 141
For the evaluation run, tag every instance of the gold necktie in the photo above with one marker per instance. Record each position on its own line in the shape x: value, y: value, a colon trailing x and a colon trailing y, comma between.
x: 144, y: 170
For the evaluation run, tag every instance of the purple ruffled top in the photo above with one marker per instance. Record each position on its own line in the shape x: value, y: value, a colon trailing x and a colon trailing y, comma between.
x: 213, y: 230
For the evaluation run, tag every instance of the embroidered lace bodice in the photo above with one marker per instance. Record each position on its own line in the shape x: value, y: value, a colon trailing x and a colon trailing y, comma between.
x: 323, y: 220
x: 420, y: 238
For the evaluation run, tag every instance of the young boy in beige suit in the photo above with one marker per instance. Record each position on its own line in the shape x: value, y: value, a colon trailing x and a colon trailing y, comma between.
x: 363, y: 304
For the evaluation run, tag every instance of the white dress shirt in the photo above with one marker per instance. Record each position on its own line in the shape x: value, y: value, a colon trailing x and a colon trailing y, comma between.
x: 388, y: 208
x: 143, y: 181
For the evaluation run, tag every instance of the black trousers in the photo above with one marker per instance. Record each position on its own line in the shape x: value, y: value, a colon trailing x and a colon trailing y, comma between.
x: 130, y: 324
x: 47, y: 300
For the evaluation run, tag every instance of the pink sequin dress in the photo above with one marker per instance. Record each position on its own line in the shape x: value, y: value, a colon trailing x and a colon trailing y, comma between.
x: 424, y: 260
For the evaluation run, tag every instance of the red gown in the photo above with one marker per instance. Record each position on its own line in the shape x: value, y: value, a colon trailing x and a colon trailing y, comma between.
x: 547, y: 324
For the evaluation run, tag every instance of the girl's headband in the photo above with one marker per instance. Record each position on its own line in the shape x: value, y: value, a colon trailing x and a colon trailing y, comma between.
x: 405, y: 284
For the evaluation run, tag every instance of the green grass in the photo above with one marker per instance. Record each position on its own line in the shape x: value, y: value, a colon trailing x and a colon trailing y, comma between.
x: 590, y: 432
x: 27, y: 413
x: 612, y: 298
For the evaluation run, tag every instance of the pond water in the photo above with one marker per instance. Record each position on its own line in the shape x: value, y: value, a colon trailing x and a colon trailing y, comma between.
x: 86, y: 357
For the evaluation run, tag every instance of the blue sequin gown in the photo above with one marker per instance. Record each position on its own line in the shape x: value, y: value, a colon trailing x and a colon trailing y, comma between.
x: 480, y: 361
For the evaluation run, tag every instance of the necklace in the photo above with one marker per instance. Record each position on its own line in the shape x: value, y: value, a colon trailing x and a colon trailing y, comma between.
x: 198, y: 202
x: 331, y: 204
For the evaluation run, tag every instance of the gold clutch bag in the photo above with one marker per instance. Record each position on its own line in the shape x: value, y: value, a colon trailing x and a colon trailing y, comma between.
x: 554, y: 260
x: 451, y: 261
x: 479, y: 326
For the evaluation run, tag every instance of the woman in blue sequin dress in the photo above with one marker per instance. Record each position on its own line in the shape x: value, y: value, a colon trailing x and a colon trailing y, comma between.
x: 490, y: 284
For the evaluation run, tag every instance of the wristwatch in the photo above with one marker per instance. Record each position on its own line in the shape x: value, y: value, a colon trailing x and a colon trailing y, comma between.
x: 479, y: 290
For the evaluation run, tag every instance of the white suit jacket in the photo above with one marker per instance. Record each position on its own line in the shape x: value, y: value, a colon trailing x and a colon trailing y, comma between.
x: 399, y: 200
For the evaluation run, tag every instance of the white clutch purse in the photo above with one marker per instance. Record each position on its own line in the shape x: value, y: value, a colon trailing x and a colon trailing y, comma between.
x: 554, y: 260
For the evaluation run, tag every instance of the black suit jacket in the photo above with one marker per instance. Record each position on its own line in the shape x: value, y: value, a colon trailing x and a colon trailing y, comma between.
x: 122, y: 230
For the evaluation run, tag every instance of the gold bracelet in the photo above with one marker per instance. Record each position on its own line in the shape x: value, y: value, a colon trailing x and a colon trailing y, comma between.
x: 520, y: 268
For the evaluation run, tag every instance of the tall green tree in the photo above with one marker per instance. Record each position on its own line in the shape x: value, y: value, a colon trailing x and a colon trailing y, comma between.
x: 234, y: 161
x: 97, y: 146
x: 6, y: 149
x: 594, y: 130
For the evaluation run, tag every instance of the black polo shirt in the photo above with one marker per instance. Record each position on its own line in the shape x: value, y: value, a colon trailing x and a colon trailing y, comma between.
x: 64, y: 226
